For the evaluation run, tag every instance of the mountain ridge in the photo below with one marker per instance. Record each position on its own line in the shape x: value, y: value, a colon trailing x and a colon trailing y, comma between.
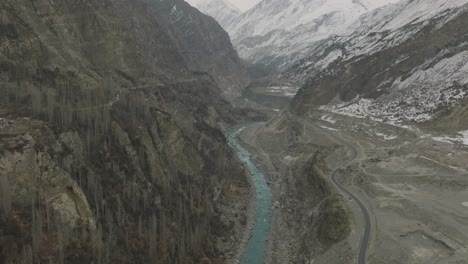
x: 420, y: 78
x: 112, y: 148
x: 204, y: 44
x: 221, y: 10
x: 277, y: 33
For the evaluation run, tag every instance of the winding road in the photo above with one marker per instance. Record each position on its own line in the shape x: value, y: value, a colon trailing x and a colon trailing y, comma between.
x: 254, y: 251
x: 362, y: 256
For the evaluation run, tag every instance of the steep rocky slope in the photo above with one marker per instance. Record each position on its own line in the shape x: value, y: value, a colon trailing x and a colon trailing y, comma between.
x: 279, y: 32
x: 203, y: 43
x: 309, y: 216
x: 221, y: 10
x: 411, y: 66
x: 111, y: 148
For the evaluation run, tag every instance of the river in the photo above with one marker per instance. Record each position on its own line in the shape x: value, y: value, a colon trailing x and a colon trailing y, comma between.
x: 254, y: 252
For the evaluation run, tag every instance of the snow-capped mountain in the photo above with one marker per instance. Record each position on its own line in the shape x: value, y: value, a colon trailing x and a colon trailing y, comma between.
x: 403, y: 62
x: 377, y: 30
x: 221, y: 10
x: 278, y: 32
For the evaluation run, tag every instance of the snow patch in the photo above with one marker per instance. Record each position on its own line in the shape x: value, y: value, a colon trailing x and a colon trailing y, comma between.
x: 329, y: 128
x: 328, y: 119
x: 286, y: 91
x: 386, y: 137
x: 462, y: 138
x: 433, y: 86
x: 445, y: 139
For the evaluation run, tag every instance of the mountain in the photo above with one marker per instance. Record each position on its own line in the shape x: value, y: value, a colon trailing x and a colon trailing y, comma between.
x: 112, y: 149
x: 204, y: 44
x: 221, y: 10
x: 400, y: 75
x: 406, y: 62
x: 279, y: 32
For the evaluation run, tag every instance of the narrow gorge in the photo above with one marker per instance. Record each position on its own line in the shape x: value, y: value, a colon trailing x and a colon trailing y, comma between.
x: 233, y: 131
x: 255, y: 248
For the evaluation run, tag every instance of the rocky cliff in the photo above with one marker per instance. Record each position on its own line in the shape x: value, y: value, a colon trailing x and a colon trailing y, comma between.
x: 203, y: 43
x: 221, y: 10
x: 111, y: 148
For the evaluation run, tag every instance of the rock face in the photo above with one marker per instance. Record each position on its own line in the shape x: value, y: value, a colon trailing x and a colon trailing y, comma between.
x: 203, y: 43
x: 221, y: 10
x: 32, y: 173
x: 410, y: 66
x: 113, y: 152
x: 279, y: 32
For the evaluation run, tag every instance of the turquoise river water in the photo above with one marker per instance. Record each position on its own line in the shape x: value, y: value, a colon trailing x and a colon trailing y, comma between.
x: 255, y: 249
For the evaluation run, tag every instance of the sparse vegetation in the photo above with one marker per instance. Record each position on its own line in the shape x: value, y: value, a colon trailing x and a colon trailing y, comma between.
x: 112, y: 169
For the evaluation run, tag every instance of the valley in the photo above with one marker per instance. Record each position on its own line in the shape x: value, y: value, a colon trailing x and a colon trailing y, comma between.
x: 402, y: 192
x: 260, y: 226
x: 205, y: 132
x: 366, y: 164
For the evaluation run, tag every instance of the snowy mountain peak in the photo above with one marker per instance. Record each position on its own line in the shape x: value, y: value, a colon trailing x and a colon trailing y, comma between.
x: 205, y: 3
x: 274, y: 30
x: 223, y: 11
x: 406, y: 62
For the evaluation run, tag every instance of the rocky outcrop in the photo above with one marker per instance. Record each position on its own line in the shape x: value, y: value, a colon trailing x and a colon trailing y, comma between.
x: 114, y: 150
x: 203, y: 42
